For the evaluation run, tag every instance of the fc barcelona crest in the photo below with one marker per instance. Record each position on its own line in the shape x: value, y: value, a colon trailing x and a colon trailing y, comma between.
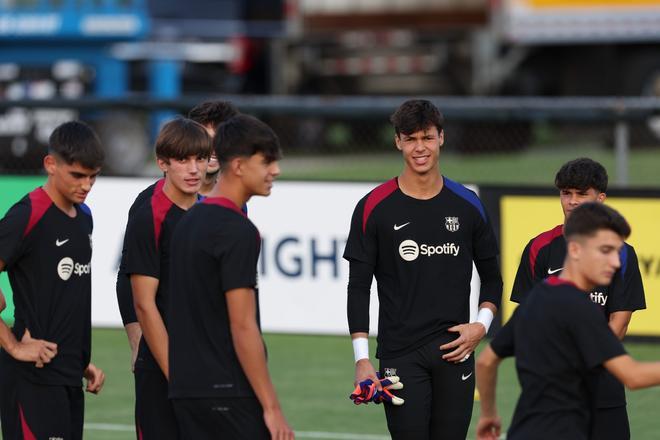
x: 389, y: 372
x: 452, y: 224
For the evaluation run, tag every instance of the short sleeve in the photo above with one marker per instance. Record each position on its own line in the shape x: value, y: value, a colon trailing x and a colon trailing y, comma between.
x: 361, y: 244
x: 524, y: 280
x: 238, y: 259
x: 142, y: 256
x: 593, y: 337
x: 626, y: 292
x: 503, y: 344
x: 12, y: 228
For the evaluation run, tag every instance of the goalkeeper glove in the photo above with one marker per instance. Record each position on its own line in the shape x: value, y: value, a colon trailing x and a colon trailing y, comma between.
x: 366, y: 391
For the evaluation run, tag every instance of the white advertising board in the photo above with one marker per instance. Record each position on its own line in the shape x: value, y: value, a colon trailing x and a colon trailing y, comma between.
x: 302, y: 276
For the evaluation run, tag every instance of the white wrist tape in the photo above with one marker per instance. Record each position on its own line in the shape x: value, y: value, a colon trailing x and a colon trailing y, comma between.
x: 361, y: 348
x: 485, y: 316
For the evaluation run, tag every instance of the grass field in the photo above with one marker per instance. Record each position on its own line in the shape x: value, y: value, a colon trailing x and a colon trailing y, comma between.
x: 313, y: 376
x: 530, y: 167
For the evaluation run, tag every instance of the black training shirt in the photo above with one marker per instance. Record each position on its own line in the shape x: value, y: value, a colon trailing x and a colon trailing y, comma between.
x: 421, y: 252
x: 148, y: 239
x: 544, y: 256
x: 124, y: 291
x: 48, y: 259
x: 559, y: 339
x: 215, y: 249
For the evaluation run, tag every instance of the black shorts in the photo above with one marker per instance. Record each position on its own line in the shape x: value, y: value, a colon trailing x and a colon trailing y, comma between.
x: 438, y: 394
x: 154, y: 415
x: 610, y: 423
x: 231, y: 418
x: 8, y: 406
x: 49, y: 411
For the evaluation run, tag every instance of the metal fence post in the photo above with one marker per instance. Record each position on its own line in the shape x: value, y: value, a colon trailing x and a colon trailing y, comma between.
x: 621, y: 151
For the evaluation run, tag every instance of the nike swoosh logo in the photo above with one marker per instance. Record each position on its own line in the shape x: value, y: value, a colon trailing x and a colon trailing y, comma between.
x: 59, y: 243
x: 551, y: 271
x: 464, y: 377
x: 397, y: 227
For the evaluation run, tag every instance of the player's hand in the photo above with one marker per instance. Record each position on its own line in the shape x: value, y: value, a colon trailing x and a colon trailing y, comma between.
x: 95, y: 378
x: 469, y: 336
x: 488, y: 428
x: 366, y: 392
x: 277, y: 425
x: 33, y: 350
x: 365, y: 370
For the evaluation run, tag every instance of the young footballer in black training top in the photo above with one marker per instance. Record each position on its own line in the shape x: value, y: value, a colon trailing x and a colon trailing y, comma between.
x: 219, y: 381
x: 560, y: 337
x: 46, y: 248
x: 579, y: 181
x: 209, y: 114
x: 419, y: 235
x: 183, y: 148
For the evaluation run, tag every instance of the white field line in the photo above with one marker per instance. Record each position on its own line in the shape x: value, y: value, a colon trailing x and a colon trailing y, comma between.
x: 299, y: 434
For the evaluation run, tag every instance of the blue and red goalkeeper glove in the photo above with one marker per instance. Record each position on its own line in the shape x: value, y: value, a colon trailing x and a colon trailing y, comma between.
x: 366, y: 391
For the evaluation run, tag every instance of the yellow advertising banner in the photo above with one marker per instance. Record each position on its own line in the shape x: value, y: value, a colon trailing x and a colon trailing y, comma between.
x: 591, y: 3
x: 524, y: 217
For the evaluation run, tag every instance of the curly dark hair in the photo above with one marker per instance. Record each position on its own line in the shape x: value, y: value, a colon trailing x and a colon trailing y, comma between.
x: 582, y: 173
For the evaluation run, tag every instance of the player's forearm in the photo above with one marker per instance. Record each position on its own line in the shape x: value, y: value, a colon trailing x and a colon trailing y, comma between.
x: 134, y: 333
x: 154, y: 333
x: 7, y: 339
x: 633, y: 374
x: 618, y: 322
x: 486, y: 371
x: 646, y: 374
x: 252, y: 357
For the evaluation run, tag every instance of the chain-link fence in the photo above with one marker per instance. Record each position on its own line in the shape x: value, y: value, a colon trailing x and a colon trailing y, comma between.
x: 498, y: 140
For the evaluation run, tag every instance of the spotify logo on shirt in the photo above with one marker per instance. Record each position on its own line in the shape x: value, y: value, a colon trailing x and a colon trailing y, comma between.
x: 66, y: 267
x: 410, y: 250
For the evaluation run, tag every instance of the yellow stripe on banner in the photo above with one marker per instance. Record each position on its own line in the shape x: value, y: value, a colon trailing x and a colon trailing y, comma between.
x: 518, y: 227
x: 591, y: 3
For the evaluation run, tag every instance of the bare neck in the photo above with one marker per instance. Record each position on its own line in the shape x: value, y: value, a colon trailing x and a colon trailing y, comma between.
x: 229, y: 188
x: 421, y: 186
x: 64, y: 204
x: 179, y: 198
x: 571, y: 273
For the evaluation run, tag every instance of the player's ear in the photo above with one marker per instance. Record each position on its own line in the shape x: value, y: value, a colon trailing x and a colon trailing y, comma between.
x: 236, y: 166
x: 573, y: 249
x: 50, y: 164
x: 441, y: 136
x: 397, y: 142
x: 163, y: 164
x: 601, y: 197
